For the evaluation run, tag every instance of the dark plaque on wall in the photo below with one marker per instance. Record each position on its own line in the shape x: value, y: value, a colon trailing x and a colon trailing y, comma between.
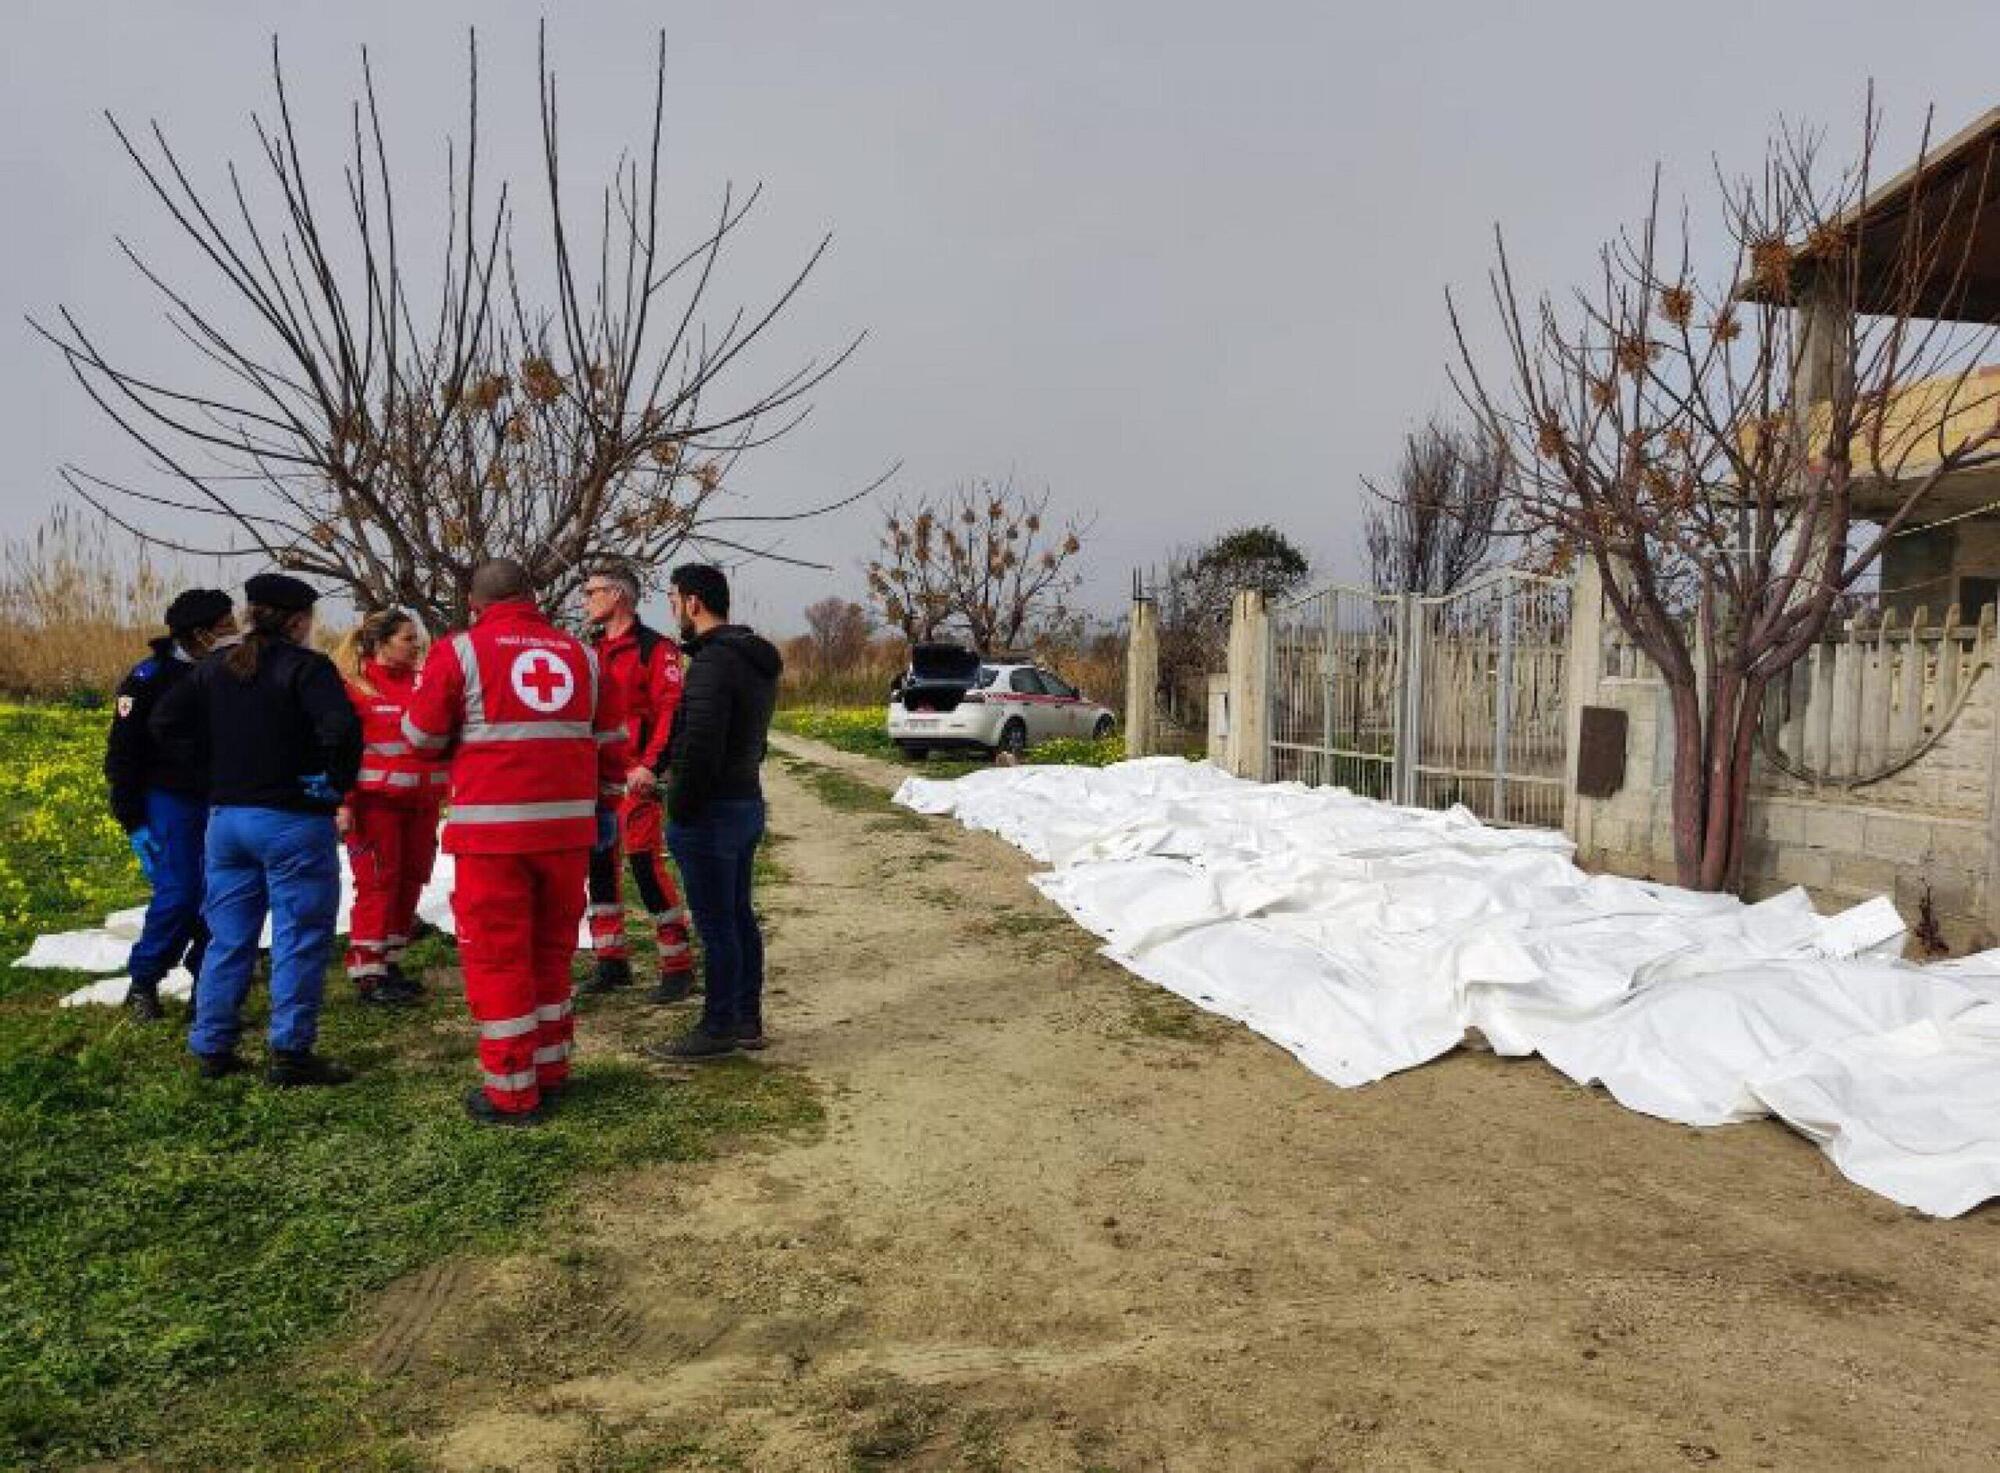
x: 1600, y: 752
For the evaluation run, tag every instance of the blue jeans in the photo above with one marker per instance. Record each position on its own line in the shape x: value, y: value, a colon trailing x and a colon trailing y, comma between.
x: 287, y: 864
x: 715, y: 854
x: 173, y: 929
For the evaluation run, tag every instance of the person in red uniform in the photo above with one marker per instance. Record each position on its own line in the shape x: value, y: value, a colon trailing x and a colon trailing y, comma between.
x: 390, y: 820
x: 536, y: 740
x: 647, y: 666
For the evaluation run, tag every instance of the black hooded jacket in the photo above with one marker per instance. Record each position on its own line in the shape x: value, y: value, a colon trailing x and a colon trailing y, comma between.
x: 723, y: 721
x: 133, y: 761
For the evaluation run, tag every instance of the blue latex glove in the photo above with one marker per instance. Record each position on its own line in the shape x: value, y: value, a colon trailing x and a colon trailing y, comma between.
x: 607, y: 830
x: 146, y: 849
x: 319, y: 790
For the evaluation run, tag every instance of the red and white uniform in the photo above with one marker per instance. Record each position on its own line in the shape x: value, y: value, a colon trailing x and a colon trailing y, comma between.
x: 646, y: 665
x: 392, y: 824
x: 537, y: 744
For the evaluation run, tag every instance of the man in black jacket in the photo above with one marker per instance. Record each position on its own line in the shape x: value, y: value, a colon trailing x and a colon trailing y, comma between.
x: 160, y: 802
x: 715, y: 806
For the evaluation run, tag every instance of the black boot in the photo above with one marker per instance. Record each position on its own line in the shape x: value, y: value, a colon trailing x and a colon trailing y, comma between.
x: 219, y: 1066
x: 673, y: 987
x: 401, y: 986
x: 483, y: 1110
x: 381, y: 992
x: 303, y: 1069
x: 142, y: 1001
x: 750, y: 1036
x: 692, y: 1047
x: 612, y: 973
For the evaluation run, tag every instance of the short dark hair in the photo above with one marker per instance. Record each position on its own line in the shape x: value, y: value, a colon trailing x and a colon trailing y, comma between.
x: 706, y: 583
x: 499, y: 579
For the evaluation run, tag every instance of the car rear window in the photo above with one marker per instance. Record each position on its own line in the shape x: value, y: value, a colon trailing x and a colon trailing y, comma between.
x: 1027, y: 683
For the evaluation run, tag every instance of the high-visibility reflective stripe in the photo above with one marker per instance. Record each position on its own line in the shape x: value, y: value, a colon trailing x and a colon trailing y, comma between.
x: 440, y: 778
x: 511, y: 1083
x: 508, y: 1027
x: 670, y: 917
x: 525, y: 731
x: 611, y: 790
x: 606, y: 738
x: 552, y: 1053
x: 673, y: 948
x: 422, y: 739
x: 590, y: 660
x: 367, y: 969
x: 555, y: 1012
x: 475, y: 690
x: 480, y: 813
x: 387, y: 749
x: 391, y: 779
x: 610, y: 908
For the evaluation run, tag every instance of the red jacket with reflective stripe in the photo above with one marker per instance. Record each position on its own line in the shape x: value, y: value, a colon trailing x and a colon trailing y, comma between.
x: 392, y: 770
x: 536, y: 736
x: 647, y: 666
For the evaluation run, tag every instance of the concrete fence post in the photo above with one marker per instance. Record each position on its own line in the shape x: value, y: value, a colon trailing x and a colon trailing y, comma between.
x: 1580, y: 680
x: 1142, y: 677
x: 1249, y: 685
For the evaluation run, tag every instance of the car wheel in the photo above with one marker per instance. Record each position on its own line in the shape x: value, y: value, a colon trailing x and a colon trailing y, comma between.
x: 1105, y: 726
x: 1013, y: 737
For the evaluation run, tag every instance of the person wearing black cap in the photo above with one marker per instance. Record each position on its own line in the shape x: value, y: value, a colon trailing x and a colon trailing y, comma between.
x: 160, y: 803
x: 270, y: 723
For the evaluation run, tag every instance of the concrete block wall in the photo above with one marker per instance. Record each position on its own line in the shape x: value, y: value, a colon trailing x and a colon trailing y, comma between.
x: 1929, y: 830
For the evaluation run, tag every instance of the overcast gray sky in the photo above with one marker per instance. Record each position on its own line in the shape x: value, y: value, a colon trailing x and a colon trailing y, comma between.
x: 1180, y: 263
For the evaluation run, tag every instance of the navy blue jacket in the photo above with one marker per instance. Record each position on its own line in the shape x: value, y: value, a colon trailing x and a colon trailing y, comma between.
x: 258, y: 739
x: 133, y: 761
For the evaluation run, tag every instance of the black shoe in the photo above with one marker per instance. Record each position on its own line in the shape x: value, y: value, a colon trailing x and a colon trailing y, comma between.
x: 612, y: 973
x: 383, y: 993
x: 485, y: 1112
x: 219, y: 1066
x: 673, y: 987
x: 143, y: 1003
x: 691, y: 1047
x: 303, y: 1069
x: 403, y: 982
x: 750, y: 1037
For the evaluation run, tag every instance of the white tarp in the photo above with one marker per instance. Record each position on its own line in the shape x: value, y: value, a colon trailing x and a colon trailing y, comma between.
x: 1366, y: 938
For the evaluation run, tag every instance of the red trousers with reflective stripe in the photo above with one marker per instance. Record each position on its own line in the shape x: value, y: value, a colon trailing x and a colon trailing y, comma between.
x: 642, y: 830
x: 390, y: 848
x: 517, y: 916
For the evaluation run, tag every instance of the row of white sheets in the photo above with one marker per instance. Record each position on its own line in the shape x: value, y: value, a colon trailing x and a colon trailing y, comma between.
x: 108, y: 947
x: 1366, y: 939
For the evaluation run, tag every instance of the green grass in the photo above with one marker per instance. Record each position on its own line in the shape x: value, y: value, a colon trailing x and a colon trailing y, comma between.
x: 176, y: 1255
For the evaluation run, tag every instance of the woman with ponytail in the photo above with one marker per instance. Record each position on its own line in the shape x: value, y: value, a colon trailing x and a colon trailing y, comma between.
x: 270, y: 728
x: 391, y: 818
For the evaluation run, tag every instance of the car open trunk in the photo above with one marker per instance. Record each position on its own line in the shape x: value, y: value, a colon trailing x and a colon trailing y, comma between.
x: 940, y: 675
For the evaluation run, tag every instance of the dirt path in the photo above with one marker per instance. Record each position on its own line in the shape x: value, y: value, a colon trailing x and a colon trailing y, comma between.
x: 1058, y: 1220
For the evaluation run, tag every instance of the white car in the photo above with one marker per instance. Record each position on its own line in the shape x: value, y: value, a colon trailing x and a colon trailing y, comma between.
x: 952, y: 700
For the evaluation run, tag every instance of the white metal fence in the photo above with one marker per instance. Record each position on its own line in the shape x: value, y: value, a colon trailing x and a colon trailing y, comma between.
x: 1428, y: 701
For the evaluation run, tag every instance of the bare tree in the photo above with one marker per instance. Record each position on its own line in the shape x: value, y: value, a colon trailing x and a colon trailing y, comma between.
x: 838, y: 631
x: 342, y: 421
x: 1703, y: 441
x: 981, y: 558
x: 1435, y: 525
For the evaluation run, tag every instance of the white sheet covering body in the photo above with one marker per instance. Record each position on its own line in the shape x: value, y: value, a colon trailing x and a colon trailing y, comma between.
x: 1366, y: 938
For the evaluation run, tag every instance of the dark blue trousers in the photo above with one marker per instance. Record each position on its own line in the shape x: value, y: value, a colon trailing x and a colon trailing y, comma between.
x: 174, y: 932
x: 715, y: 854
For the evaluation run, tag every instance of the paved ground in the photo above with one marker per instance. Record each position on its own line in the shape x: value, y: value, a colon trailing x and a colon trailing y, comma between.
x: 1058, y: 1220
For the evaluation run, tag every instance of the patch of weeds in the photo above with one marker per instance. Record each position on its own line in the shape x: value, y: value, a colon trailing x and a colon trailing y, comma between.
x: 895, y: 1420
x: 942, y: 896
x: 1161, y: 1015
x: 641, y: 1447
x: 849, y: 794
x: 1019, y: 925
x: 982, y: 1443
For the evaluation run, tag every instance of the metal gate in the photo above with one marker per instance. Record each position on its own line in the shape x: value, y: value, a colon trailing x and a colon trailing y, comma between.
x: 1335, y: 683
x: 1485, y: 699
x: 1426, y: 701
